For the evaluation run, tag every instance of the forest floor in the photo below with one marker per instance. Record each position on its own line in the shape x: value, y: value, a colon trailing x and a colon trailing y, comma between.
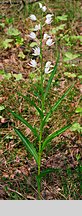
x: 64, y: 153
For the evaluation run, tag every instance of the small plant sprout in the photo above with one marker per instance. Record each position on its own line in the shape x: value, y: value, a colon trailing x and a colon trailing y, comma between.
x: 41, y: 100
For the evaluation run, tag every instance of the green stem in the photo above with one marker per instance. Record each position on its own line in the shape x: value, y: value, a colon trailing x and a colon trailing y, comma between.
x: 42, y: 108
x: 41, y: 69
x: 39, y: 164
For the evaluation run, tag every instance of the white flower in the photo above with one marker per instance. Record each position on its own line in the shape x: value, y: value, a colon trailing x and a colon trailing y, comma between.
x: 48, y: 21
x: 36, y: 51
x: 42, y: 7
x: 49, y: 42
x: 46, y: 36
x: 48, y: 18
x: 33, y: 17
x: 47, y: 67
x: 33, y: 63
x: 37, y: 27
x: 32, y: 35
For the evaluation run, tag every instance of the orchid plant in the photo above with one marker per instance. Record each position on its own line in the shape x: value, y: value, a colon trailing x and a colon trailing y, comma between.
x: 50, y: 69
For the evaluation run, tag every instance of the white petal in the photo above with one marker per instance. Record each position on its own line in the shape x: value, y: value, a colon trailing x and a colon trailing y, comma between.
x: 48, y: 64
x: 36, y: 51
x: 44, y: 8
x: 33, y: 17
x: 47, y: 71
x: 37, y: 27
x: 32, y: 35
x: 48, y: 21
x: 32, y: 63
x: 46, y: 36
x: 40, y: 5
x: 49, y: 42
x: 49, y: 16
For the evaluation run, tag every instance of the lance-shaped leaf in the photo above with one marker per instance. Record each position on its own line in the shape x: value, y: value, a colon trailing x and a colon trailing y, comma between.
x: 47, y: 171
x: 37, y: 108
x: 53, y: 135
x: 28, y: 144
x: 51, y: 77
x: 19, y: 117
x: 56, y: 105
x: 33, y: 104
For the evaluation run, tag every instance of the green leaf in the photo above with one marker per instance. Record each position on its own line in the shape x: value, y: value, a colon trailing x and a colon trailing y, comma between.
x: 37, y: 108
x: 7, y: 76
x: 61, y: 18
x: 76, y: 127
x: 9, y: 20
x: 58, y: 28
x: 69, y: 56
x: 79, y: 110
x: 53, y: 135
x: 28, y: 144
x: 20, y: 118
x: 21, y: 55
x: 19, y: 40
x: 2, y: 72
x: 2, y: 25
x: 33, y: 104
x: 6, y: 43
x: 56, y: 105
x: 18, y: 77
x: 2, y: 108
x: 47, y: 171
x: 13, y: 31
x: 70, y: 75
x: 51, y: 77
x: 33, y: 44
x: 80, y: 76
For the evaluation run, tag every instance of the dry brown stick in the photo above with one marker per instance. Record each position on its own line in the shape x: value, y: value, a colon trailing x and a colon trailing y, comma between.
x: 13, y: 191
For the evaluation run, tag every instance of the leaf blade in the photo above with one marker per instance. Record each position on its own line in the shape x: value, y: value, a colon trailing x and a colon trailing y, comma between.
x: 28, y: 145
x: 51, y: 77
x: 19, y: 117
x: 47, y: 171
x: 33, y: 104
x: 56, y: 105
x: 53, y: 135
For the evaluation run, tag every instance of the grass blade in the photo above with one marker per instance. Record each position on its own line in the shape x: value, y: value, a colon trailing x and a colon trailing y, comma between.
x: 33, y: 104
x: 19, y: 117
x: 51, y: 77
x: 56, y: 105
x: 53, y: 135
x: 27, y: 143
